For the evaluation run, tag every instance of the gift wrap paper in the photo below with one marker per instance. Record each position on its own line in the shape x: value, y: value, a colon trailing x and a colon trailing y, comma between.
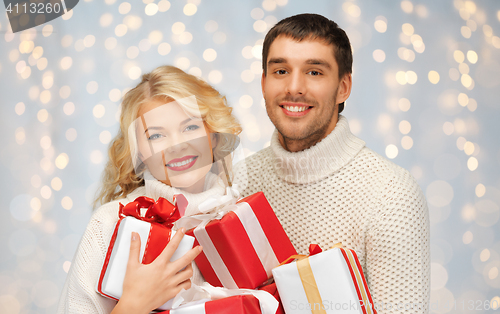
x: 328, y: 282
x: 240, y: 304
x: 154, y: 238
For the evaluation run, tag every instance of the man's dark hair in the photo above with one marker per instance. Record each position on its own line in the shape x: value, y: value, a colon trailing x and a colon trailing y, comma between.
x: 313, y: 26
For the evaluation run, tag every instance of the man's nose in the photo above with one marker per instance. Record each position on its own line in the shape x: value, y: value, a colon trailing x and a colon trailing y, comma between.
x: 296, y: 84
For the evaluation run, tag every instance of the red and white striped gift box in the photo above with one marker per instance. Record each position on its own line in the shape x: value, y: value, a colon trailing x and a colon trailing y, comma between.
x: 241, y: 249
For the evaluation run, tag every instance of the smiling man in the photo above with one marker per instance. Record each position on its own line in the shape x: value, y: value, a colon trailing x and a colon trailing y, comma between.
x: 323, y: 183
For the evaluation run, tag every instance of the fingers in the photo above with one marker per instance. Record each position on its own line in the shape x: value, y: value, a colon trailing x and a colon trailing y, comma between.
x: 187, y: 258
x: 169, y: 250
x: 183, y: 275
x: 135, y: 249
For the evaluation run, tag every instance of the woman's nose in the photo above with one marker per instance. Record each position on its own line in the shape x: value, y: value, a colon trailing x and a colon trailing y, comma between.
x: 176, y: 146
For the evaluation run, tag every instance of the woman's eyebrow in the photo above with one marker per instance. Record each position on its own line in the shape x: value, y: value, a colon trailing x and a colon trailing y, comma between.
x: 153, y: 128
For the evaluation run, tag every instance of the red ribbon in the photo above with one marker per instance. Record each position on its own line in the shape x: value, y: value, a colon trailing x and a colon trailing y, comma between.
x: 162, y: 211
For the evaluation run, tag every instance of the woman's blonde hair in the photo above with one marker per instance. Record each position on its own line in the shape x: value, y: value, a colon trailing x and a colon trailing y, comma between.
x: 163, y: 83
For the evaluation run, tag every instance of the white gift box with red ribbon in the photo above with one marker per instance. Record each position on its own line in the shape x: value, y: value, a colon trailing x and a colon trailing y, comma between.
x: 328, y: 282
x: 154, y: 237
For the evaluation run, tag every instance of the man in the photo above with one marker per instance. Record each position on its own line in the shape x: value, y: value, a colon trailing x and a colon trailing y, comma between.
x: 323, y: 183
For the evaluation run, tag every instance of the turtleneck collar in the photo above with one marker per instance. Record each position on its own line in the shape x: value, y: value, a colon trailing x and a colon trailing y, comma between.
x: 319, y: 161
x: 156, y: 189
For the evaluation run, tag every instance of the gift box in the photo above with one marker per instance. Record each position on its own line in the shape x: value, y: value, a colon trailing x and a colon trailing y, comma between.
x: 239, y: 304
x: 327, y: 282
x: 241, y: 248
x: 155, y: 231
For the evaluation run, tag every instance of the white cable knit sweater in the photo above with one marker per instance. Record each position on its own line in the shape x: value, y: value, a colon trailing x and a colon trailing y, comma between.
x: 79, y: 294
x: 340, y: 191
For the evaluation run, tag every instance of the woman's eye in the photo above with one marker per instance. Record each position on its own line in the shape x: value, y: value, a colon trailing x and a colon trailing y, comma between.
x: 154, y: 136
x: 191, y: 127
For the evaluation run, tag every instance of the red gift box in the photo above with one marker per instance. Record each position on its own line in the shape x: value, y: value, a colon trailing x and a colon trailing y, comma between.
x: 238, y: 304
x: 241, y: 248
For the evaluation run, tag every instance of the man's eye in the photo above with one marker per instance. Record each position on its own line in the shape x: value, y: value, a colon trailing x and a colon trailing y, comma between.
x: 191, y: 127
x: 280, y: 72
x: 314, y: 73
x: 154, y: 136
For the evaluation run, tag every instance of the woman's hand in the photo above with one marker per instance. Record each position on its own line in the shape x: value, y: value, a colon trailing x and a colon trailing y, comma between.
x: 146, y: 287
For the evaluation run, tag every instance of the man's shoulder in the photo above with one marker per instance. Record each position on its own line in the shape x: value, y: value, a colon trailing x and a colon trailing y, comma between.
x: 382, y: 169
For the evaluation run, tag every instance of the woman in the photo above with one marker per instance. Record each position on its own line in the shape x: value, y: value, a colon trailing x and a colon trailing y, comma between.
x: 166, y: 145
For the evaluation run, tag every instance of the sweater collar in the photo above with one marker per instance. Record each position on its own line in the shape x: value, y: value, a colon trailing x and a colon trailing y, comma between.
x: 156, y: 189
x: 319, y: 161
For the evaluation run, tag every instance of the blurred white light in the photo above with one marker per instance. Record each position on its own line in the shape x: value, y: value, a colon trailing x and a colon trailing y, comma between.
x: 62, y: 161
x: 92, y: 87
x: 182, y: 63
x: 46, y: 192
x: 132, y: 52
x: 164, y: 49
x: 178, y: 28
x: 190, y: 9
x: 380, y: 24
x: 433, y: 77
x: 407, y: 6
x: 19, y: 108
x: 215, y: 77
x: 69, y: 108
x: 96, y: 157
x: 472, y: 163
x: 110, y: 43
x: 105, y: 137
x: 121, y: 30
x: 89, y: 41
x: 209, y: 55
x: 99, y: 111
x: 56, y: 184
x: 211, y: 26
x: 124, y: 8
x: 439, y: 193
x: 257, y: 14
x: 379, y: 55
x: 260, y: 26
x: 151, y: 9
x: 163, y: 5
x: 391, y: 151
x: 71, y: 134
x: 67, y: 203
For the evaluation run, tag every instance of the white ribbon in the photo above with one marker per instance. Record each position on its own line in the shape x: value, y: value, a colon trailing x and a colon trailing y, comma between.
x: 268, y: 304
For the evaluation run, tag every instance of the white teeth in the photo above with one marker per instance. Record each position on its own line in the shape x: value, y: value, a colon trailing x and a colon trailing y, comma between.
x: 296, y: 108
x: 182, y: 163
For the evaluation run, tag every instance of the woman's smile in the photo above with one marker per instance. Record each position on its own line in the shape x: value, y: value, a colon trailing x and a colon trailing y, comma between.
x: 181, y: 164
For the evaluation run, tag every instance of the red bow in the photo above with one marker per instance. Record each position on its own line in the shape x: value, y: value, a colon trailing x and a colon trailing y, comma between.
x: 314, y: 249
x: 161, y: 211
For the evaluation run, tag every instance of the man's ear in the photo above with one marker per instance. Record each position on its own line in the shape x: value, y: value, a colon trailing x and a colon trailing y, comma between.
x: 344, y: 90
x: 262, y: 84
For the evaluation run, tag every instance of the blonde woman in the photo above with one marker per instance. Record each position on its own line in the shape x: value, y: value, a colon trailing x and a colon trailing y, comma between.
x: 171, y: 133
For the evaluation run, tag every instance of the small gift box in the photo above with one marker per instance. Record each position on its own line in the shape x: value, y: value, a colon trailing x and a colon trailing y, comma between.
x: 327, y: 282
x: 155, y: 231
x: 241, y: 248
x: 239, y: 304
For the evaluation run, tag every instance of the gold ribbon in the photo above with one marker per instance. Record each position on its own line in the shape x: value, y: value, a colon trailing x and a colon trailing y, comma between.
x: 310, y: 287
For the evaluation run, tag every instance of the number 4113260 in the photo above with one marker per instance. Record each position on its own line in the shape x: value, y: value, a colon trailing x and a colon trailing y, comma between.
x: 33, y: 8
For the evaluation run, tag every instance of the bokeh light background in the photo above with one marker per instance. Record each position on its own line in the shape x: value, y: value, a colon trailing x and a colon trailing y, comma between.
x: 425, y: 94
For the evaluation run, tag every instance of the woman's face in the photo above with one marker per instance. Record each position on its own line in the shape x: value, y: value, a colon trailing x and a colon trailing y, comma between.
x: 174, y: 145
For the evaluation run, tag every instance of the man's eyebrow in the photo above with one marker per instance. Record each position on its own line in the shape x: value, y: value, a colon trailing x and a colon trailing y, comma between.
x: 276, y: 60
x: 319, y: 62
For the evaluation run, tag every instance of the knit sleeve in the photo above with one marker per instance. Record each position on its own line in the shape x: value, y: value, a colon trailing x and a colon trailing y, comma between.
x: 79, y: 293
x: 397, y: 247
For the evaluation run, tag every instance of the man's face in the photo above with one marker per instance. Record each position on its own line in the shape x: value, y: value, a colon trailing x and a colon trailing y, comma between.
x: 302, y: 90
